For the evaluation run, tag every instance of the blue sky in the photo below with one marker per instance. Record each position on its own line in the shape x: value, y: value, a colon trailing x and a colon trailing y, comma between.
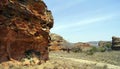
x: 85, y: 20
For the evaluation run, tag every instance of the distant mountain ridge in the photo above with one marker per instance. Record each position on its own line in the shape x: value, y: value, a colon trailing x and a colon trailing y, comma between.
x: 58, y: 42
x: 93, y: 43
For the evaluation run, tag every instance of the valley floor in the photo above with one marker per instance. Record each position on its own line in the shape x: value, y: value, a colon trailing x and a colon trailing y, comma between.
x: 64, y: 60
x: 99, y: 60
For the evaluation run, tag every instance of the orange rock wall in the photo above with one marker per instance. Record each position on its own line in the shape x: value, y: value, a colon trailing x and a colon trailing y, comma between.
x: 24, y: 26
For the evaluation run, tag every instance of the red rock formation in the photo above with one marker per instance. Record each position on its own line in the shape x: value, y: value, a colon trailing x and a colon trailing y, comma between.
x: 82, y: 45
x: 24, y: 29
x: 115, y: 43
x: 56, y: 43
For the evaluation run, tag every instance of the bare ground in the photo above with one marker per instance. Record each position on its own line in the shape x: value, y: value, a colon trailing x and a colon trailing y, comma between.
x: 63, y: 60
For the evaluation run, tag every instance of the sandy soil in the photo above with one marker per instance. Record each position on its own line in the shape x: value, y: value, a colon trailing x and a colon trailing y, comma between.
x: 63, y: 60
x: 109, y: 66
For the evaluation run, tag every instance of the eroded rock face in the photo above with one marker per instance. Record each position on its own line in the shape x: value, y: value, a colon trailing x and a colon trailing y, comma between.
x: 56, y: 42
x: 24, y: 29
x: 115, y: 43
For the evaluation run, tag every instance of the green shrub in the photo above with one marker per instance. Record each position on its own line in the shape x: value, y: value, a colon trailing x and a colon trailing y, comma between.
x: 108, y: 47
x: 95, y: 49
x: 91, y: 51
x: 76, y: 50
x: 101, y: 49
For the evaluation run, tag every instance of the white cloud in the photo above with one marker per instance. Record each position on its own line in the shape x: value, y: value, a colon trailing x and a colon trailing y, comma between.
x: 66, y: 5
x: 81, y: 23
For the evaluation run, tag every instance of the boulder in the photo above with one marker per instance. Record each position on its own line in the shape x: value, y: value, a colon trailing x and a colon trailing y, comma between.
x: 24, y: 29
x: 115, y: 43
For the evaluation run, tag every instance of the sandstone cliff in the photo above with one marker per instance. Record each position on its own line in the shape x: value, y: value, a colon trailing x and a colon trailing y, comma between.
x: 115, y: 43
x: 24, y: 29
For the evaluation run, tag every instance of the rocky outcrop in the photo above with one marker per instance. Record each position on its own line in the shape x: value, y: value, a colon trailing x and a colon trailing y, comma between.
x: 24, y: 29
x: 115, y: 43
x: 59, y: 43
x: 56, y: 42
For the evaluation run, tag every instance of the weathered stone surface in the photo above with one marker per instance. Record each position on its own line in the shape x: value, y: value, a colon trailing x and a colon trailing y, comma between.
x: 116, y: 43
x: 24, y: 29
x: 59, y: 43
x: 56, y: 42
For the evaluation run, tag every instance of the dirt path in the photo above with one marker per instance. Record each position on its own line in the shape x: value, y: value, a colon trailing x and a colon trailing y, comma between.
x: 109, y: 66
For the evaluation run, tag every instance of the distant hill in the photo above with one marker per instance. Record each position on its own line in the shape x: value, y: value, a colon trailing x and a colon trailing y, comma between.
x: 93, y: 43
x: 58, y: 43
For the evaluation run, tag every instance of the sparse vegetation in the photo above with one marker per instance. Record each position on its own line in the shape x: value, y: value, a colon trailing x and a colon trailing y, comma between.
x: 98, y: 49
x: 76, y: 50
x: 101, y: 49
x: 90, y: 52
x: 57, y: 62
x: 111, y: 57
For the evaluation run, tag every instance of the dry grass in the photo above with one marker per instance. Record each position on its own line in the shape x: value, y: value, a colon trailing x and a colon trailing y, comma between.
x: 112, y: 57
x: 57, y: 61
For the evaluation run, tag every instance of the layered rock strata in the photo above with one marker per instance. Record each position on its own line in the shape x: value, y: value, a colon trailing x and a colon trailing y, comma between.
x: 24, y: 29
x: 115, y: 43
